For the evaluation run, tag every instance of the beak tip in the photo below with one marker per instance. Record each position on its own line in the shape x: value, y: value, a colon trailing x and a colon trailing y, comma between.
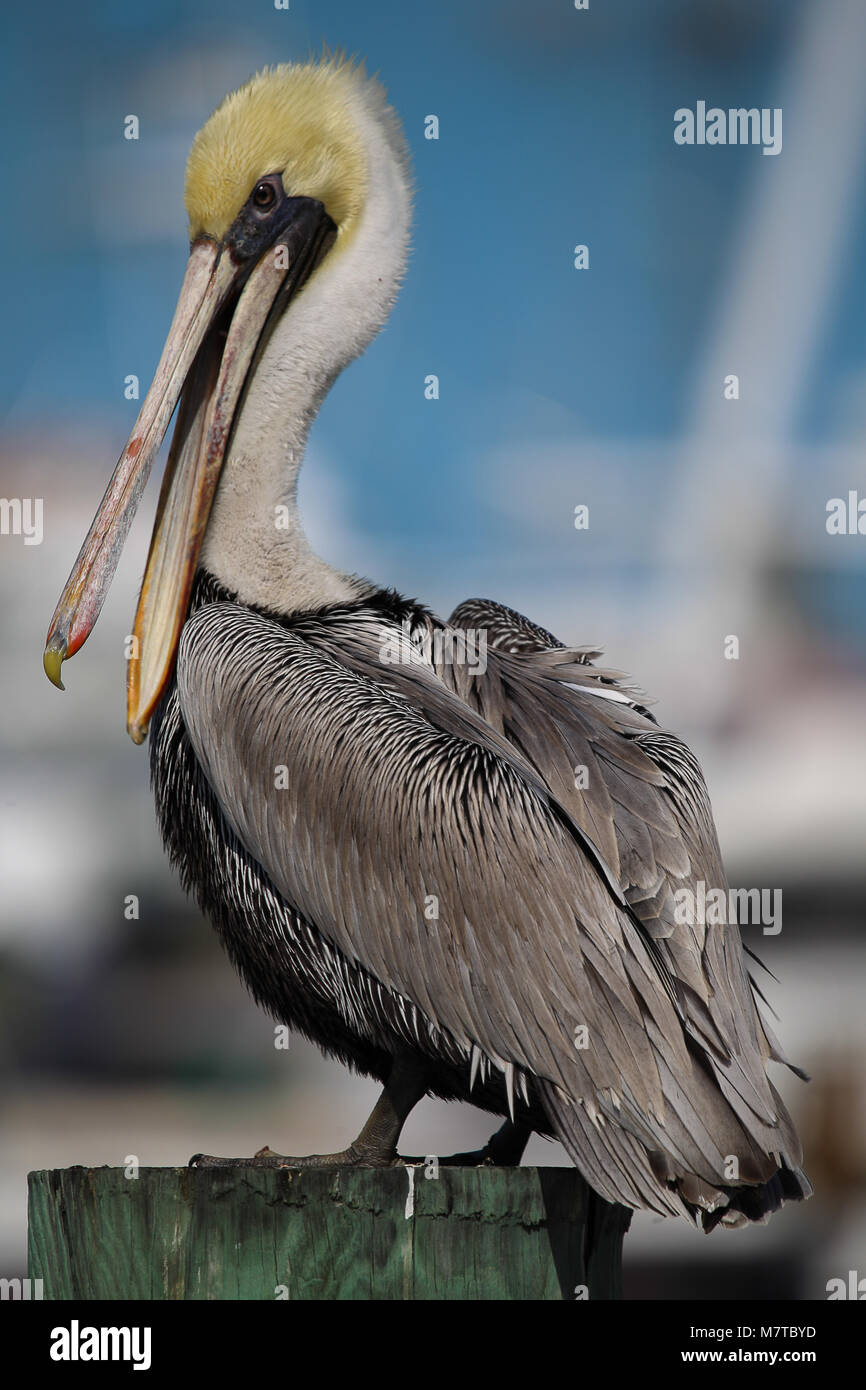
x: 52, y: 660
x: 137, y: 730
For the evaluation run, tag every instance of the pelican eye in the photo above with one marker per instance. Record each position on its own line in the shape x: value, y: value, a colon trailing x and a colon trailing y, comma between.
x: 264, y: 196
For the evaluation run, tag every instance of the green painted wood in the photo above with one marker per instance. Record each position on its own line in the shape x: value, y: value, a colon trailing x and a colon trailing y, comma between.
x: 317, y: 1233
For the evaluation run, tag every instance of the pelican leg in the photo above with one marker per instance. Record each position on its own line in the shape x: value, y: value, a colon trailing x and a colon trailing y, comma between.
x: 375, y: 1146
x: 504, y: 1149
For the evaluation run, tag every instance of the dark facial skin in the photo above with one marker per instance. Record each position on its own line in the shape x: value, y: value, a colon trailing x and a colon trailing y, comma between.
x: 270, y: 215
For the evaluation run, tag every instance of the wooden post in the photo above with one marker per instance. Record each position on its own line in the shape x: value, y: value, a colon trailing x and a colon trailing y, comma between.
x: 318, y: 1233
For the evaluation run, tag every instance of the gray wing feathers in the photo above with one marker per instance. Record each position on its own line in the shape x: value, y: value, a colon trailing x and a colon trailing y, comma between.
x: 438, y: 844
x: 645, y: 804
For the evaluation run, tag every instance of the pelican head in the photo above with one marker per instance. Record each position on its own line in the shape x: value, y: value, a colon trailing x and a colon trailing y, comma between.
x: 297, y: 194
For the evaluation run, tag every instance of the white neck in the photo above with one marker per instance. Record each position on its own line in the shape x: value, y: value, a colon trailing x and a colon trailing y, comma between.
x: 255, y: 544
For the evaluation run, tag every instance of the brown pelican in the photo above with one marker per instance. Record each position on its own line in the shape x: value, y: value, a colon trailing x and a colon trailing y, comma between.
x: 388, y: 832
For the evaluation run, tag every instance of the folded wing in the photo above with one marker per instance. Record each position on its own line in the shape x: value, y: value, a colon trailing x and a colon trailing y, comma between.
x: 434, y: 839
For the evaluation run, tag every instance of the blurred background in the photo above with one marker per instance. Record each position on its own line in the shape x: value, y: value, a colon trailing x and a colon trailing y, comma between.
x: 558, y: 387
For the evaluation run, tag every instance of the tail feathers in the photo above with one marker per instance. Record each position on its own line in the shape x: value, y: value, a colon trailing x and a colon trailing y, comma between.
x: 741, y: 1205
x: 709, y: 1205
x: 620, y: 1161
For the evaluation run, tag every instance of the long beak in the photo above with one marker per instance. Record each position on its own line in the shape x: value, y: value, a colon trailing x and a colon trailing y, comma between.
x: 207, y: 358
x: 198, y: 450
x: 208, y: 279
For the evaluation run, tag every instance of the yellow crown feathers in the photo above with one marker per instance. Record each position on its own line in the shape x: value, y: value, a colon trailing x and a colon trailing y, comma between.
x: 297, y: 119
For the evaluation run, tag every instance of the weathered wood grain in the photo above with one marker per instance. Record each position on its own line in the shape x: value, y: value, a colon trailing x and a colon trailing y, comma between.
x: 315, y: 1233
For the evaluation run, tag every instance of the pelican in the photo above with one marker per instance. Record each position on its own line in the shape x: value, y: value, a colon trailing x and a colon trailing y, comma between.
x: 390, y: 833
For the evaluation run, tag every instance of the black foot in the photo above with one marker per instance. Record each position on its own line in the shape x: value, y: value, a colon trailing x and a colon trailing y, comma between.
x: 504, y: 1149
x: 266, y: 1158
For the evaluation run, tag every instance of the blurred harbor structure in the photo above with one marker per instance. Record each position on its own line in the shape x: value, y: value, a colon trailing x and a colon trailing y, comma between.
x: 557, y: 388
